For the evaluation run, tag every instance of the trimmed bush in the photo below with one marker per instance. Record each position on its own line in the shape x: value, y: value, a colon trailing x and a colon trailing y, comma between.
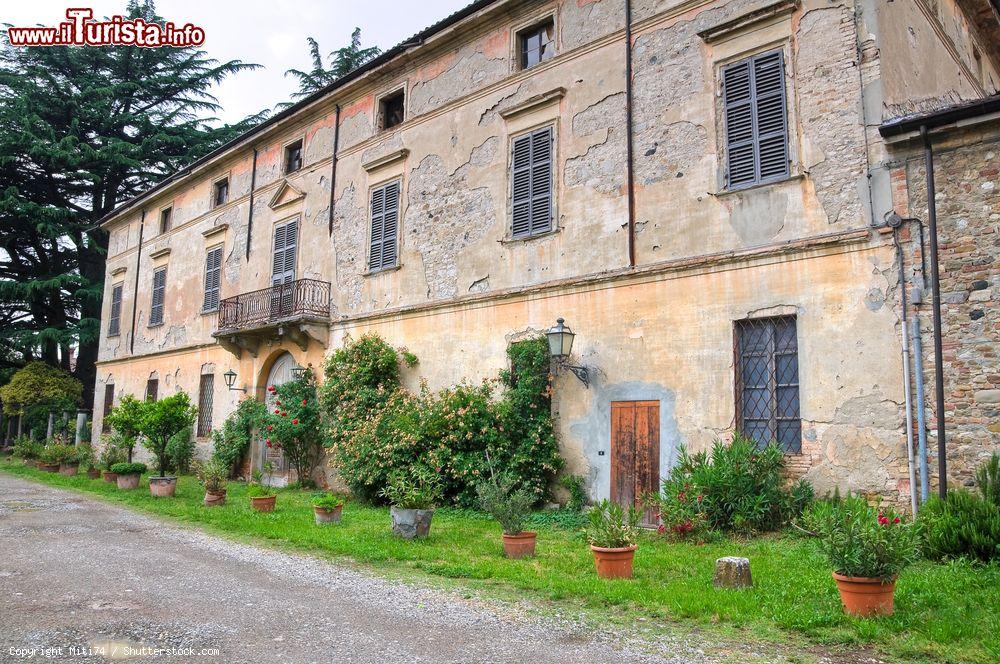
x: 963, y: 525
x: 126, y: 468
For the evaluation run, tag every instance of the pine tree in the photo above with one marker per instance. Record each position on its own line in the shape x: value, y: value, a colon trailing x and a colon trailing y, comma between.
x: 342, y: 62
x: 83, y: 129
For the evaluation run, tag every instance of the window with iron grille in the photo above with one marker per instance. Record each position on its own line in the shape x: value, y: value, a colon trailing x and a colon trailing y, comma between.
x: 159, y: 293
x: 213, y: 279
x: 385, y: 227
x: 767, y: 382
x: 531, y: 183
x: 753, y: 94
x: 115, y: 321
x: 205, y: 390
x: 165, y: 215
x: 536, y: 44
x: 152, y: 389
x: 109, y: 403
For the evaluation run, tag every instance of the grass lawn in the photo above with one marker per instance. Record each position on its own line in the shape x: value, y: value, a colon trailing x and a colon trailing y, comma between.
x: 944, y: 612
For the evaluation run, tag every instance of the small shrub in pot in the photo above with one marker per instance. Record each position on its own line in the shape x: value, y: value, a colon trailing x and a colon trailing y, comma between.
x: 612, y: 531
x: 327, y: 507
x: 213, y: 475
x: 412, y: 494
x: 127, y: 474
x: 501, y: 498
x: 262, y: 496
x: 88, y: 461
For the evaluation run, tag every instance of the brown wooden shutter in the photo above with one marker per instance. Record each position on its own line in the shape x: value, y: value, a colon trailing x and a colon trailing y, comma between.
x: 531, y: 183
x: 109, y: 404
x: 205, y: 397
x: 382, y: 252
x: 114, y: 324
x: 159, y: 294
x: 213, y: 279
x: 755, y: 120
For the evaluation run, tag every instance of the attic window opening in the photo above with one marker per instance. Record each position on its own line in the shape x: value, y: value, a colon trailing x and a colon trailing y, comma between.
x: 391, y: 110
x: 220, y: 192
x: 293, y: 157
x: 536, y: 44
x: 165, y: 215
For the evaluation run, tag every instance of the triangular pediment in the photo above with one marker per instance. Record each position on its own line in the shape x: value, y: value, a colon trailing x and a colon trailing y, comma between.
x: 285, y: 195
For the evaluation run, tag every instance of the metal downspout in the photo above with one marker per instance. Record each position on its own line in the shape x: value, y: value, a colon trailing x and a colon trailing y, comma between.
x: 135, y: 291
x: 906, y: 375
x: 333, y: 165
x: 918, y: 374
x: 629, y: 170
x: 253, y: 181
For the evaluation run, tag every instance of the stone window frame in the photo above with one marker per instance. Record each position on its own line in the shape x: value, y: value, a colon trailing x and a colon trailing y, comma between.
x: 115, y: 331
x: 377, y: 119
x: 152, y: 297
x: 299, y: 138
x: 547, y: 15
x: 169, y: 208
x: 508, y: 234
x: 221, y: 247
x: 400, y: 178
x: 222, y: 177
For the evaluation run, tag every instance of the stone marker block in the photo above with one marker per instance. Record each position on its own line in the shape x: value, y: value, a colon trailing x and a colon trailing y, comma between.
x: 732, y: 572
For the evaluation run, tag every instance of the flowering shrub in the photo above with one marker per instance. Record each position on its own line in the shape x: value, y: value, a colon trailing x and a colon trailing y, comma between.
x: 233, y: 439
x: 681, y: 509
x: 861, y: 540
x: 293, y: 426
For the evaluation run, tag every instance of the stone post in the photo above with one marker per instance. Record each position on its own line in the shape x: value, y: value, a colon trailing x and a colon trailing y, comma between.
x: 51, y: 425
x: 20, y: 425
x: 81, y: 422
x: 732, y: 572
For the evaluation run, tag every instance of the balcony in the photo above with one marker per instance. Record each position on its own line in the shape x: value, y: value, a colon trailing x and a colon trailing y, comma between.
x: 298, y: 310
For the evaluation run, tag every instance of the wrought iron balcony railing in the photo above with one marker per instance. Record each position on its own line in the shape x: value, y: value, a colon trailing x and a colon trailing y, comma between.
x: 295, y: 300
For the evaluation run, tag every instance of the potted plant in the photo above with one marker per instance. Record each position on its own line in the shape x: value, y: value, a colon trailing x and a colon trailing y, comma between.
x: 262, y: 496
x: 612, y: 531
x: 49, y: 458
x: 867, y: 547
x: 214, y: 475
x: 127, y: 474
x: 88, y: 464
x: 28, y: 450
x: 159, y: 421
x: 499, y: 497
x: 113, y: 452
x: 69, y: 463
x: 327, y: 507
x: 412, y: 496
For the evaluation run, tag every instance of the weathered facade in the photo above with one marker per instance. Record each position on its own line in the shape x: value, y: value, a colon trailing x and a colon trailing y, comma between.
x: 501, y: 201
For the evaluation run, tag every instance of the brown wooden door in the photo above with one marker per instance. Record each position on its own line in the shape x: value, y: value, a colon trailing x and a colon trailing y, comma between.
x: 635, y: 453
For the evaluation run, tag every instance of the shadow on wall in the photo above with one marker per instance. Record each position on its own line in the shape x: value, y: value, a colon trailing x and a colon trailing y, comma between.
x: 594, y: 431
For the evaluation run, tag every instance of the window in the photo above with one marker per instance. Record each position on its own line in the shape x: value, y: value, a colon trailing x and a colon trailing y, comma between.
x: 385, y: 225
x: 753, y: 93
x: 536, y: 44
x: 152, y: 389
x: 767, y: 382
x: 283, y: 260
x: 205, y: 404
x: 293, y: 157
x: 391, y: 110
x: 109, y: 403
x: 115, y: 321
x: 213, y: 279
x: 531, y: 183
x: 159, y: 292
x: 165, y: 214
x: 220, y: 192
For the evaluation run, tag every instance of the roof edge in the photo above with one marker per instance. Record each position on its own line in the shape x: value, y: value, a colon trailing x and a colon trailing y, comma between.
x: 941, y: 117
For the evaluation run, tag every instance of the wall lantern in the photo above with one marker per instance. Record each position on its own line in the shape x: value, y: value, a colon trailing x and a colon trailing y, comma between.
x: 230, y: 377
x: 298, y: 371
x: 560, y: 345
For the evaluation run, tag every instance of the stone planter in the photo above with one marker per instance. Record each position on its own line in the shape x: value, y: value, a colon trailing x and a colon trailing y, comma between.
x: 411, y: 524
x: 216, y: 499
x: 865, y: 596
x: 521, y: 545
x: 49, y: 467
x: 129, y: 481
x: 263, y: 503
x: 614, y: 563
x: 324, y: 515
x: 162, y: 487
x: 93, y: 473
x: 69, y: 469
x: 110, y: 477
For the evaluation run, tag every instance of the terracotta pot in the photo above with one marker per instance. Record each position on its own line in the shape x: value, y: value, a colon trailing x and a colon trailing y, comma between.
x: 614, y: 563
x: 69, y: 469
x: 215, y: 499
x: 49, y: 467
x: 162, y: 487
x: 110, y: 477
x: 30, y: 463
x: 865, y: 596
x: 411, y: 524
x: 264, y: 503
x: 521, y: 545
x: 324, y: 515
x: 93, y: 473
x: 129, y: 481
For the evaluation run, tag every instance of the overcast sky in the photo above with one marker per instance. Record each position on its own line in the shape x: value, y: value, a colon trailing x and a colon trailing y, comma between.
x: 271, y: 33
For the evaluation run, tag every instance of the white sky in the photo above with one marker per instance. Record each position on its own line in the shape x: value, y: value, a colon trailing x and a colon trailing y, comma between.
x: 271, y: 33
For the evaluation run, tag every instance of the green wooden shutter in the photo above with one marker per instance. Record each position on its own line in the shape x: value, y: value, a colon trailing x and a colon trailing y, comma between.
x: 753, y: 92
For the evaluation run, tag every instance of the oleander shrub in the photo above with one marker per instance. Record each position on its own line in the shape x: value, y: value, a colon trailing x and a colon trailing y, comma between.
x: 963, y: 525
x: 988, y: 479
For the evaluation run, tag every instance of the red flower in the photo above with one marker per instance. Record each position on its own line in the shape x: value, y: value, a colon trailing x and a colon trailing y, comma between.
x: 277, y: 402
x: 662, y: 529
x: 295, y: 421
x: 277, y: 411
x: 284, y: 414
x: 883, y: 520
x: 268, y: 441
x: 271, y: 388
x: 305, y: 402
x: 896, y: 520
x: 270, y: 427
x: 681, y: 496
x: 438, y: 469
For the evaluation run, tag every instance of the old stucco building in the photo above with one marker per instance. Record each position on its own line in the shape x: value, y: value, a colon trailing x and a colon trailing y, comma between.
x: 469, y: 187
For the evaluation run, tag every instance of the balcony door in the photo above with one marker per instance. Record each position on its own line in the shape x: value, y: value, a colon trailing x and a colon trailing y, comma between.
x: 286, y: 236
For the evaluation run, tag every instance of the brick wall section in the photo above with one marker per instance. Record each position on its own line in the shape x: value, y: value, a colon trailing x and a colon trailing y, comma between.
x: 967, y: 178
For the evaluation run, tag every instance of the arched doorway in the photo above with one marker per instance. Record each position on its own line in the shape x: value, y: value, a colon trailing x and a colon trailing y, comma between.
x: 280, y: 373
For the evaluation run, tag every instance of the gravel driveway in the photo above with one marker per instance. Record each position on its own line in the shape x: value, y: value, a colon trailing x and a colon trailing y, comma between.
x: 79, y: 577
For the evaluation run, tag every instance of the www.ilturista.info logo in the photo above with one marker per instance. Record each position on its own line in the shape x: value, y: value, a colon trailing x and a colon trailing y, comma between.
x: 82, y: 30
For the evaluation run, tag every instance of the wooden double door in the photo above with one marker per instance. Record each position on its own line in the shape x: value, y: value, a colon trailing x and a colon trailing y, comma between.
x: 635, y: 454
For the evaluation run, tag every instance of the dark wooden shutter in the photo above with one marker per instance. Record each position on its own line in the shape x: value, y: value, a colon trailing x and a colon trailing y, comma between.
x: 213, y: 279
x: 385, y: 227
x: 531, y: 183
x: 159, y: 293
x: 114, y: 324
x: 755, y: 119
x: 205, y: 393
x: 767, y: 382
x: 109, y: 403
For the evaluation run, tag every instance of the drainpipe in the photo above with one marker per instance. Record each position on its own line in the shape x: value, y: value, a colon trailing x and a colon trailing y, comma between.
x: 906, y: 374
x: 253, y: 180
x: 629, y: 174
x: 936, y: 311
x: 135, y: 291
x: 918, y: 375
x: 333, y: 167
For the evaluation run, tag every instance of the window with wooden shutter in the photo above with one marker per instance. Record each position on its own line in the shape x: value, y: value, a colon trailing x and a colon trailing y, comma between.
x: 213, y: 279
x: 283, y: 257
x: 531, y: 183
x: 205, y: 390
x: 109, y: 403
x: 382, y: 251
x: 767, y: 382
x: 152, y: 389
x: 115, y: 320
x: 159, y: 293
x: 753, y: 92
